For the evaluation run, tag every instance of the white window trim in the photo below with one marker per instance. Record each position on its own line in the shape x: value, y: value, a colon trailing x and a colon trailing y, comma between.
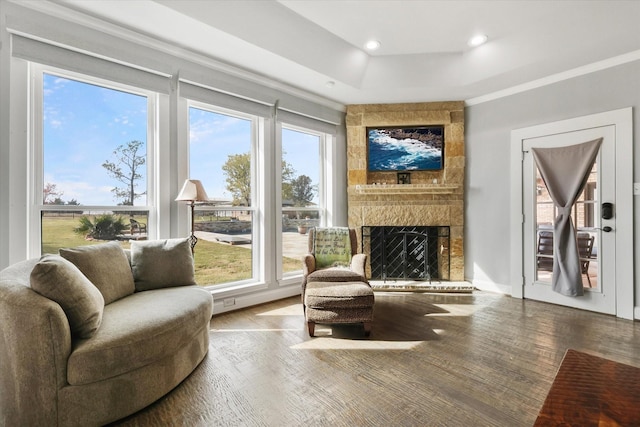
x: 36, y: 154
x: 286, y: 279
x: 259, y: 277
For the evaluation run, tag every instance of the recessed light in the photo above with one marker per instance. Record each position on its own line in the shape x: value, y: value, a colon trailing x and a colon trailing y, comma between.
x: 372, y: 45
x: 330, y: 84
x: 477, y: 40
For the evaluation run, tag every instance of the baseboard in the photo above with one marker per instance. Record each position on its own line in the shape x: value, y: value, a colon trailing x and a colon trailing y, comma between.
x: 243, y: 301
x: 636, y: 312
x: 485, y: 285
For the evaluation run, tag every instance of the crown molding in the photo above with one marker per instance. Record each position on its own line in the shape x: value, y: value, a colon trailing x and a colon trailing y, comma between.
x: 555, y: 78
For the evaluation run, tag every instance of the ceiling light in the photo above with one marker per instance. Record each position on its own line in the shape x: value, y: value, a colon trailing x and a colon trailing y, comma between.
x: 372, y: 44
x: 330, y: 84
x: 477, y: 40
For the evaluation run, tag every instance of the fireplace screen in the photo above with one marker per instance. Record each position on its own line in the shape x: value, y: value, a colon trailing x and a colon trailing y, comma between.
x: 408, y: 252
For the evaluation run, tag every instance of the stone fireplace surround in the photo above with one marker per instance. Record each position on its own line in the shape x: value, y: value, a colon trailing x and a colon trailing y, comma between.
x: 434, y: 198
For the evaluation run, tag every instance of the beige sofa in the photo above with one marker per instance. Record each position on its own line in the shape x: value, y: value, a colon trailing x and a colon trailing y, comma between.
x: 72, y: 356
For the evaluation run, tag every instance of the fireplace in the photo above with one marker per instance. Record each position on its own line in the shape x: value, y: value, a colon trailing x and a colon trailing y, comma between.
x: 407, y: 252
x: 430, y: 199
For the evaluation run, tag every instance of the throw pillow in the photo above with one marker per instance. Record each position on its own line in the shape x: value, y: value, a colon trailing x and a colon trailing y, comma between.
x: 162, y: 263
x: 106, y: 266
x: 332, y: 247
x: 59, y: 280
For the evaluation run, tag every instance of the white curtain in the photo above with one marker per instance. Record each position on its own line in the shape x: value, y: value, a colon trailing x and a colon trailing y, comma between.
x: 565, y: 171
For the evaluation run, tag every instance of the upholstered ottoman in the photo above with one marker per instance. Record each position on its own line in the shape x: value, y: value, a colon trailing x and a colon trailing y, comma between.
x: 338, y: 302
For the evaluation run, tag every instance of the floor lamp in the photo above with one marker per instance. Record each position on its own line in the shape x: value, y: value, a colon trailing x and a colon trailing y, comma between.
x: 192, y: 192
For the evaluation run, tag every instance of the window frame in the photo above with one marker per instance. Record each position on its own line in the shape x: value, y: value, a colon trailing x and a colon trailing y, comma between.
x: 287, y: 278
x: 36, y: 153
x: 257, y: 209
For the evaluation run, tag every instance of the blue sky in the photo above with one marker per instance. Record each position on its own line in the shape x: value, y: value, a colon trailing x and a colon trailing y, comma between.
x: 214, y: 137
x: 83, y: 124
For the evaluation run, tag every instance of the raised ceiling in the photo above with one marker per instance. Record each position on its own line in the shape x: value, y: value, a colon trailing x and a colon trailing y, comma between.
x: 424, y: 54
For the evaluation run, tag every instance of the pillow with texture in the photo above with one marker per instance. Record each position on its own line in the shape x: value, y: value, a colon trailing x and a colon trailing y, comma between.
x: 162, y: 264
x: 106, y: 266
x: 59, y: 280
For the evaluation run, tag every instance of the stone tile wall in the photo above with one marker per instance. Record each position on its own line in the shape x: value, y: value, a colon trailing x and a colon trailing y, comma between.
x: 433, y: 197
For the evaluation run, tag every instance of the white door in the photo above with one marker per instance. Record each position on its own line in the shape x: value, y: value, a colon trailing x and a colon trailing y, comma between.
x: 608, y: 278
x: 596, y: 236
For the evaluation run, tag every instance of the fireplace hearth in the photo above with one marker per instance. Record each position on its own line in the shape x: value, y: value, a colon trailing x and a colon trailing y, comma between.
x: 407, y: 252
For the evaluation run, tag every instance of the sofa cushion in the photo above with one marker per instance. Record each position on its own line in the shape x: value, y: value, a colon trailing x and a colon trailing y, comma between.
x: 59, y: 280
x: 139, y: 330
x: 338, y: 295
x: 106, y: 266
x: 335, y: 275
x: 162, y: 263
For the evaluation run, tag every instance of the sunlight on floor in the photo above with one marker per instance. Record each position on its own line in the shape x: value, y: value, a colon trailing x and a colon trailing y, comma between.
x: 291, y: 310
x: 455, y: 310
x: 329, y: 343
x: 254, y: 330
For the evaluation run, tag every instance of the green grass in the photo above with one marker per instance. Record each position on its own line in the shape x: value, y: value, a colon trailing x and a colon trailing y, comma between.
x: 215, y: 263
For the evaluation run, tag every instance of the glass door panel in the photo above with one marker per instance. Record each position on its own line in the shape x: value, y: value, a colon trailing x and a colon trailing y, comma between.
x: 586, y: 222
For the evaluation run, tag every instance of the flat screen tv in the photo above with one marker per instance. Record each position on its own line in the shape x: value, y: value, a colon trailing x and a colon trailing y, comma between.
x: 406, y: 148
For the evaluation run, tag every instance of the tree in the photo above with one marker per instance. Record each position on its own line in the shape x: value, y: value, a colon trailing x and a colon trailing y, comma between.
x: 302, y: 190
x: 287, y: 176
x: 51, y: 195
x: 237, y: 168
x: 58, y: 201
x: 126, y: 170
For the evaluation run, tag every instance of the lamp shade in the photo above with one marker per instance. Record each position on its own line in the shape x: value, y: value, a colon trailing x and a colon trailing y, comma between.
x: 192, y: 191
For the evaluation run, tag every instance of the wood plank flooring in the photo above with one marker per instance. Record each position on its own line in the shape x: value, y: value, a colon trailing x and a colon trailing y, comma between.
x: 478, y: 359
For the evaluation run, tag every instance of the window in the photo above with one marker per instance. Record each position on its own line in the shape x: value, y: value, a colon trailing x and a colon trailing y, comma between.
x: 301, y: 193
x: 221, y: 156
x: 93, y: 180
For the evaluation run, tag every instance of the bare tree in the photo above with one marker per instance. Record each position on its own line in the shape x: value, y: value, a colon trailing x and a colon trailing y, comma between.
x: 126, y: 170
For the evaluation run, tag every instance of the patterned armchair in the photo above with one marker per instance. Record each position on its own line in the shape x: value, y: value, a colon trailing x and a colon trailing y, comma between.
x: 314, y: 269
x: 334, y: 287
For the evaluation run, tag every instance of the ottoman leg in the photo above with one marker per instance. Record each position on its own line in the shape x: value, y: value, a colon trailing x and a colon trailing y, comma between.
x: 312, y: 328
x: 367, y: 328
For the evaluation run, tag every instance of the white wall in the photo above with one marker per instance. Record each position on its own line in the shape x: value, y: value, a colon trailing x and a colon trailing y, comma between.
x: 488, y: 135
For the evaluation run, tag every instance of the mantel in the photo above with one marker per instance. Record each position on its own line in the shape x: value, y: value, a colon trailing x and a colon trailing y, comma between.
x: 391, y: 189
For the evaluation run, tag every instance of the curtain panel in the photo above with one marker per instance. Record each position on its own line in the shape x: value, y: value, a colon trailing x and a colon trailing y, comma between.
x: 565, y: 171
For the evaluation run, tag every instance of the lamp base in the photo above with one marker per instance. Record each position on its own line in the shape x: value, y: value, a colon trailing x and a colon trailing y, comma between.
x: 192, y: 241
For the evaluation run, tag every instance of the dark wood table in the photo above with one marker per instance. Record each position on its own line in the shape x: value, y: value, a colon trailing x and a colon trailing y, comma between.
x: 592, y: 391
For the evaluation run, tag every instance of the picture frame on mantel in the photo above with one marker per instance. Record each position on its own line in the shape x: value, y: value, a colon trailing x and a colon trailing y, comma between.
x: 404, y: 178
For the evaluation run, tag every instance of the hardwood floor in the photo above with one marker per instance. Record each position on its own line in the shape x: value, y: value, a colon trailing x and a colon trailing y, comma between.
x: 478, y: 359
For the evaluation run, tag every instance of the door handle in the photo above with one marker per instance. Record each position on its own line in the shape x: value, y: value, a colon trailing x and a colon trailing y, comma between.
x: 607, y: 229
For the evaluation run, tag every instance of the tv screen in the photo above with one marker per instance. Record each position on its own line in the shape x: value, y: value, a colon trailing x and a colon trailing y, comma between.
x: 408, y: 148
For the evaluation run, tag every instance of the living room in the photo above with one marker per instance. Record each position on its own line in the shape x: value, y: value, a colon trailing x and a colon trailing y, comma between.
x: 116, y: 48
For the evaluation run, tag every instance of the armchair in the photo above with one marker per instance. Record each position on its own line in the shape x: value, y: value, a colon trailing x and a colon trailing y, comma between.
x: 316, y: 272
x: 137, y: 226
x: 334, y: 286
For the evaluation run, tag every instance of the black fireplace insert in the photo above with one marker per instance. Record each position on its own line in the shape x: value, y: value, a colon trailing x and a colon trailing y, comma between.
x: 407, y: 252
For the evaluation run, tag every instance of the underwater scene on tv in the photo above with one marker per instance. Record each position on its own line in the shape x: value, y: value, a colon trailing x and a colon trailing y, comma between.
x: 405, y: 149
